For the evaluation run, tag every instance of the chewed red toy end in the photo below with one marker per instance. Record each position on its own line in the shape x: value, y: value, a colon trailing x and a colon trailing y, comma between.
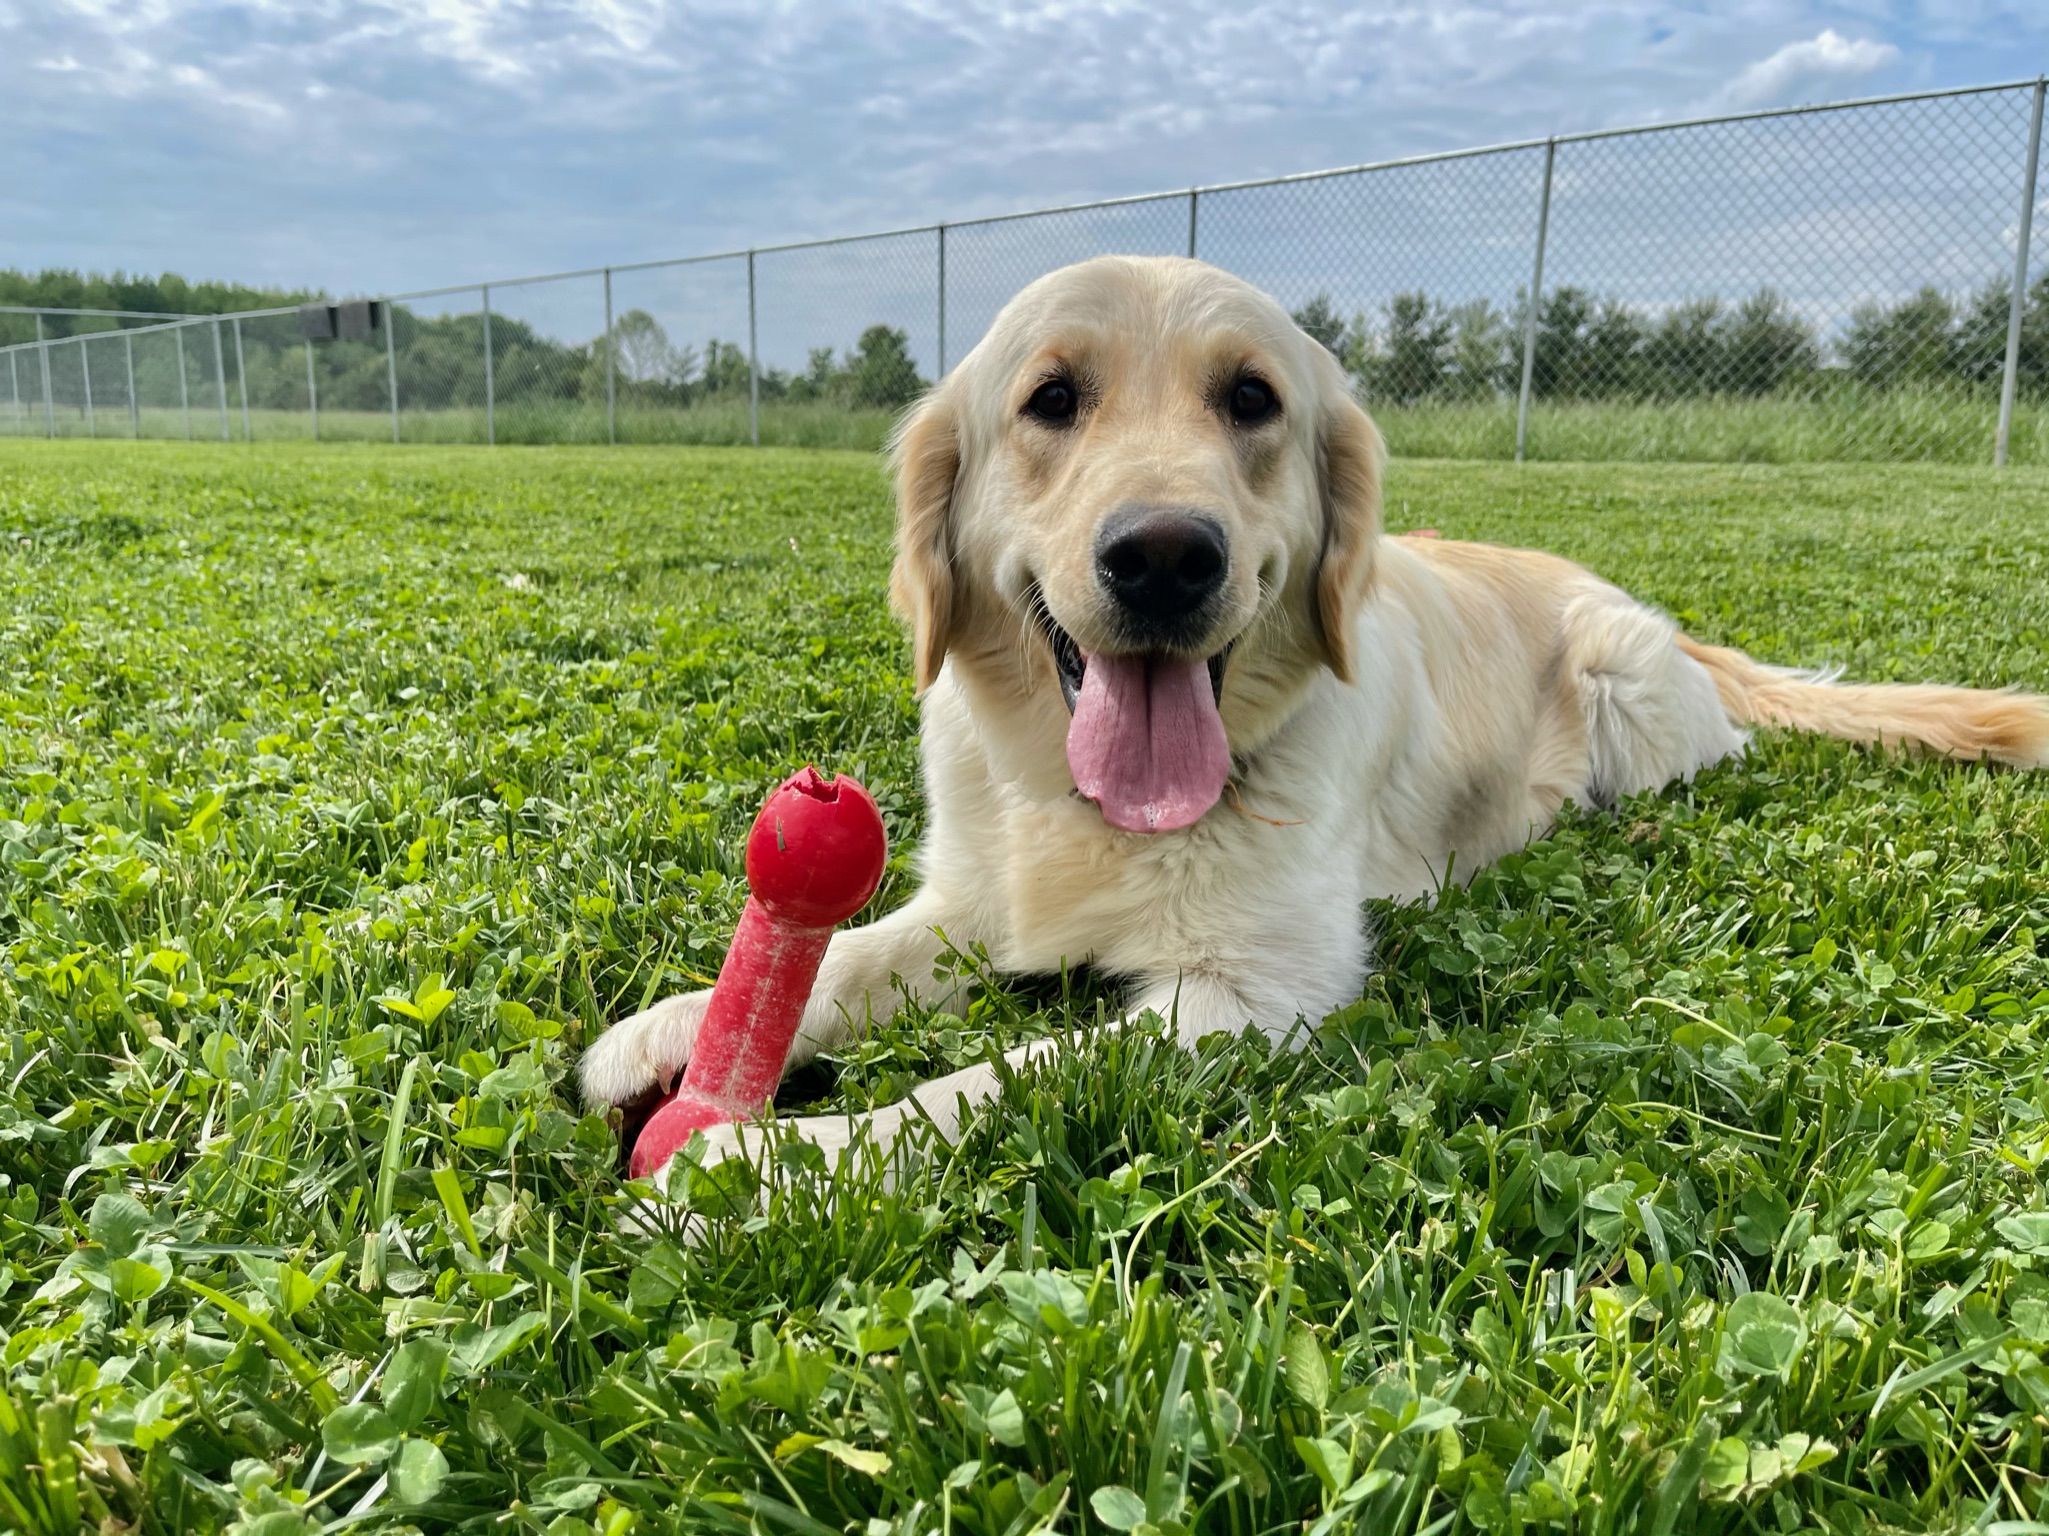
x: 817, y: 850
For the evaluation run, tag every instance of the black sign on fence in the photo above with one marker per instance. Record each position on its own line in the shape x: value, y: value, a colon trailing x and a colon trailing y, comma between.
x: 357, y: 320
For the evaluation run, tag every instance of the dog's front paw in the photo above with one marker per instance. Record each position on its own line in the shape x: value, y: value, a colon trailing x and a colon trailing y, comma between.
x: 642, y: 1055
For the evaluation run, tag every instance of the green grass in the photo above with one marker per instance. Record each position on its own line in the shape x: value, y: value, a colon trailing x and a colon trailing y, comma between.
x: 1683, y: 1173
x: 1850, y: 425
x: 1846, y: 424
x: 716, y: 422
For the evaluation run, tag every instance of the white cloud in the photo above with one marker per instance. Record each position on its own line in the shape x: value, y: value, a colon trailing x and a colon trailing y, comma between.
x: 630, y: 25
x: 481, y: 35
x: 362, y: 142
x: 1824, y: 59
x: 2038, y: 236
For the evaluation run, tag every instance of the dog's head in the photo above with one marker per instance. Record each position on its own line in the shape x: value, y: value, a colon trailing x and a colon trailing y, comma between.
x: 1138, y: 517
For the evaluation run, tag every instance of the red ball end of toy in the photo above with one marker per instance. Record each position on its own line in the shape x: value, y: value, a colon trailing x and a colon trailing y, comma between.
x: 669, y: 1129
x: 817, y: 850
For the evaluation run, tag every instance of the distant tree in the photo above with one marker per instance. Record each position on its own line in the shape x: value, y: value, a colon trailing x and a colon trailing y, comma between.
x: 880, y: 371
x: 1981, y: 336
x: 1587, y: 348
x: 1980, y: 343
x: 821, y: 378
x: 647, y: 356
x: 1479, y: 351
x: 1702, y: 346
x: 1320, y: 320
x: 1683, y: 354
x: 1762, y: 346
x: 1614, y: 346
x: 2034, y: 358
x: 725, y: 366
x: 1913, y: 340
x: 1413, y: 356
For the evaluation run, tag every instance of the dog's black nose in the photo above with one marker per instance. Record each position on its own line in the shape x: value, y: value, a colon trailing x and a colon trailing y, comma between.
x: 1161, y: 565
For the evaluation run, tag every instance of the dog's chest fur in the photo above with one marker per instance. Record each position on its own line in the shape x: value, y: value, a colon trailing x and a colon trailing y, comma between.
x: 1297, y: 833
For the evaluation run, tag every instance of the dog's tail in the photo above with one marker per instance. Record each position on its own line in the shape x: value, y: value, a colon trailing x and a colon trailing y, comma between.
x: 1969, y: 724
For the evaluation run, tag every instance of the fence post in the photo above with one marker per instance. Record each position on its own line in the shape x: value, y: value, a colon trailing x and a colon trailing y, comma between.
x: 611, y: 369
x: 49, y: 406
x: 220, y: 381
x: 14, y: 378
x: 134, y: 410
x: 1194, y: 201
x: 1522, y: 408
x: 184, y: 388
x: 312, y: 391
x: 942, y: 303
x: 753, y: 372
x: 391, y: 363
x: 490, y: 383
x: 242, y: 380
x: 2017, y: 303
x: 85, y: 367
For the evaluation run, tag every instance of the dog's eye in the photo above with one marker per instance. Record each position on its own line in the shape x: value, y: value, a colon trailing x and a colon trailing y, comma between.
x: 1056, y: 401
x: 1252, y: 401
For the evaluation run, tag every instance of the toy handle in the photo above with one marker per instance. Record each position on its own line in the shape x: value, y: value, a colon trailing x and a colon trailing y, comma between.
x: 814, y: 857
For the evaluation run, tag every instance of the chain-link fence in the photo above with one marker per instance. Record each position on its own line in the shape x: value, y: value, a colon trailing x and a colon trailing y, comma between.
x: 1853, y: 281
x: 163, y: 379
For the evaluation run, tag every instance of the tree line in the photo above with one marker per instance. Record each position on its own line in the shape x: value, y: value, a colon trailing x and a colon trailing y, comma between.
x: 440, y: 363
x: 165, y: 294
x: 440, y: 358
x: 879, y: 372
x: 1418, y: 348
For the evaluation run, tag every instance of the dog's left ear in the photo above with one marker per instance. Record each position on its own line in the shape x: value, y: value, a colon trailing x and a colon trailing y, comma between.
x: 1349, y: 456
x: 925, y: 452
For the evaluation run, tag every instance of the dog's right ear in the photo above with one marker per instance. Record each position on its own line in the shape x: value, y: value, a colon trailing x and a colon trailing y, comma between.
x: 1349, y: 455
x: 925, y: 453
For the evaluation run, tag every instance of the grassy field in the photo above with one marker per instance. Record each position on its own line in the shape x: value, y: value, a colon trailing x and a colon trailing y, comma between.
x: 1848, y: 425
x: 1683, y: 1173
x: 1947, y: 426
x: 716, y: 422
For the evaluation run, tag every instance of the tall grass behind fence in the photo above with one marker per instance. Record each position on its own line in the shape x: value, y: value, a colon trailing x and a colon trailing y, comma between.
x: 1859, y: 281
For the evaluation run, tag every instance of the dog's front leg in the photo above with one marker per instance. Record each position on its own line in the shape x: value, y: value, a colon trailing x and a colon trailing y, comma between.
x: 1301, y: 971
x: 856, y: 983
x: 1197, y: 1002
x: 944, y: 1103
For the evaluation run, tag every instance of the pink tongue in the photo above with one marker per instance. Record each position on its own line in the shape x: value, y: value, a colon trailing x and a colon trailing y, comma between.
x: 1146, y: 742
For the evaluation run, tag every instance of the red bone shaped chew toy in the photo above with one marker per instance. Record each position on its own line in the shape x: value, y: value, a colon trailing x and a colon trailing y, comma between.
x: 814, y: 858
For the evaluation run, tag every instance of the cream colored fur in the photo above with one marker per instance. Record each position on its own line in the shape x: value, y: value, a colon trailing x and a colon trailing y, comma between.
x: 1397, y: 709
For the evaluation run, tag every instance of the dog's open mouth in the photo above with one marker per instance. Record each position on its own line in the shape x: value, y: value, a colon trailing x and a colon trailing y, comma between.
x: 1145, y: 735
x: 1072, y: 666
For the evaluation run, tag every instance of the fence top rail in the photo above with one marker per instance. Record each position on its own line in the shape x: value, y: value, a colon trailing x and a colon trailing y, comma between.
x: 1895, y: 99
x: 1433, y: 157
x: 128, y: 314
x: 183, y: 322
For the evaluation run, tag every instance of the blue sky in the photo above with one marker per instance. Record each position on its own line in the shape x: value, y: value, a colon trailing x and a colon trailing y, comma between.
x: 376, y: 144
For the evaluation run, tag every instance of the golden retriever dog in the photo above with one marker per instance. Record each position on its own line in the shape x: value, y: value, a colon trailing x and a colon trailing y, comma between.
x: 1186, y: 708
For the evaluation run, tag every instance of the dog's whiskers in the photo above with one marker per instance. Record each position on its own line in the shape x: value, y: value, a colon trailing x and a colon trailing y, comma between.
x: 1025, y: 608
